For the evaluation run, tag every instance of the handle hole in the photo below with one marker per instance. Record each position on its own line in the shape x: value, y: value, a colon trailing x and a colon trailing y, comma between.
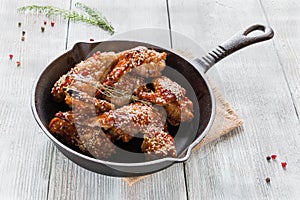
x: 254, y: 33
x: 255, y: 30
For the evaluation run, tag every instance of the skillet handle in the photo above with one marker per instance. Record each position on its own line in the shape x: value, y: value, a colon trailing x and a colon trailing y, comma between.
x: 240, y: 40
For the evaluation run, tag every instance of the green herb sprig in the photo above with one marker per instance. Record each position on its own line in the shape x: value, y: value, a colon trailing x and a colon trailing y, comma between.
x: 91, y: 15
x: 111, y: 92
x: 95, y: 14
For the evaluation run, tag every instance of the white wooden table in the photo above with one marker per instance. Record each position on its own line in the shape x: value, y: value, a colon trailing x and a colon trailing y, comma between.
x: 261, y: 82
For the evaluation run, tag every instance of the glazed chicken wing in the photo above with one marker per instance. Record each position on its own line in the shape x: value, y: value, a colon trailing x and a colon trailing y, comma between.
x: 93, y: 68
x: 170, y: 95
x: 125, y: 122
x: 180, y: 111
x: 83, y: 104
x: 122, y: 91
x: 131, y: 119
x: 158, y: 145
x: 89, y: 140
x: 140, y: 60
x: 62, y: 126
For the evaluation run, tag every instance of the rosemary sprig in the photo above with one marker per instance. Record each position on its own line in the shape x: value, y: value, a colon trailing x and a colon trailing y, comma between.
x: 96, y: 15
x: 111, y: 92
x: 95, y: 19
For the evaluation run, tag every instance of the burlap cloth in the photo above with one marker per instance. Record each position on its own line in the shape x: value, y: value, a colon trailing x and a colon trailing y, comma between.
x: 225, y: 121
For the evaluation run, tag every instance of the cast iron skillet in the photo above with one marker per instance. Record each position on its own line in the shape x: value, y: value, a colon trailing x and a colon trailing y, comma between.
x: 190, y: 74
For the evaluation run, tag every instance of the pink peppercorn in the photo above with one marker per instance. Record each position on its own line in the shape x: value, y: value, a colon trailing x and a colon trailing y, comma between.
x: 18, y: 63
x: 52, y: 23
x: 92, y: 39
x: 283, y: 164
x: 273, y: 156
x: 11, y: 56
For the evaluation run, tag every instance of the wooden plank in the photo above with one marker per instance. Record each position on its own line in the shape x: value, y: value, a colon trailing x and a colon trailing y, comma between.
x: 25, y: 151
x: 284, y: 18
x: 68, y: 180
x: 123, y: 15
x: 254, y: 82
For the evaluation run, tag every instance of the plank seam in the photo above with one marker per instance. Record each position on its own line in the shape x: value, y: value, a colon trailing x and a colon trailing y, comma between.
x: 169, y: 23
x: 50, y: 171
x: 281, y: 63
x: 52, y: 148
x: 68, y: 26
x: 171, y: 44
x: 185, y: 181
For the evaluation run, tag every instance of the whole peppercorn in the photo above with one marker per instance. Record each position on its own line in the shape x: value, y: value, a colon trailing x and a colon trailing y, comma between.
x: 23, y: 33
x: 268, y: 158
x: 42, y: 28
x: 268, y: 180
x: 18, y: 63
x: 23, y: 38
x: 19, y: 24
x: 273, y: 156
x: 283, y: 164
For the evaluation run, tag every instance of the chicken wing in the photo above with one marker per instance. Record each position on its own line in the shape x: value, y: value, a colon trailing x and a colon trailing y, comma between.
x: 158, y: 145
x: 132, y: 119
x: 170, y: 95
x: 90, y: 141
x: 83, y: 104
x: 94, y: 68
x: 122, y: 91
x: 129, y: 120
x: 140, y: 60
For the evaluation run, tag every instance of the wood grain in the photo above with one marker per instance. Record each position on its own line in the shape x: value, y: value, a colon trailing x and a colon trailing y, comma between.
x: 287, y: 42
x: 124, y: 15
x: 254, y: 82
x: 25, y: 151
